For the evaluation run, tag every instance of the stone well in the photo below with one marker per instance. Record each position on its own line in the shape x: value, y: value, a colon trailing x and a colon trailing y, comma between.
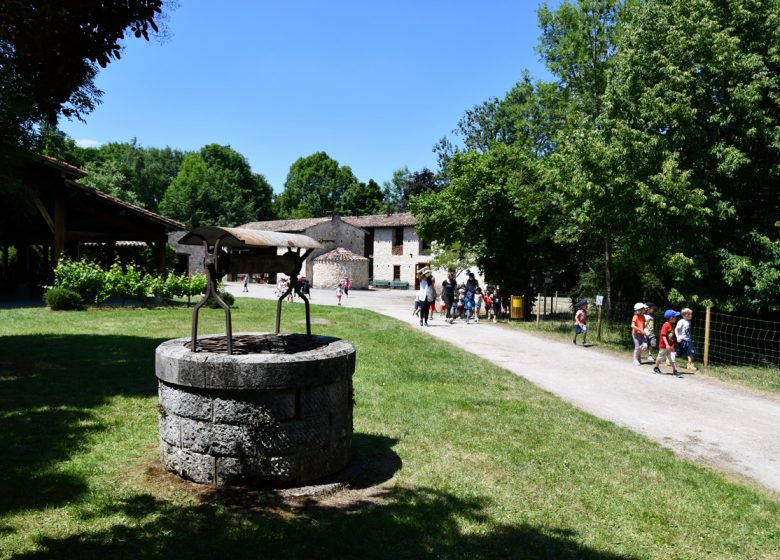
x: 279, y: 409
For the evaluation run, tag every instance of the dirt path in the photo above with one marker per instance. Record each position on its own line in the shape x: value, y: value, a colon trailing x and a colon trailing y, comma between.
x: 700, y: 418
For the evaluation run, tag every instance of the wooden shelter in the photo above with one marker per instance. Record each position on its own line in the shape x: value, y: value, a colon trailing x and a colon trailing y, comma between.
x: 56, y: 214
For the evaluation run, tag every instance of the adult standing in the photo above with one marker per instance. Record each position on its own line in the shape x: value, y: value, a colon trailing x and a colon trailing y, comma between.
x: 425, y: 296
x: 448, y: 292
x: 471, y: 283
x: 347, y: 284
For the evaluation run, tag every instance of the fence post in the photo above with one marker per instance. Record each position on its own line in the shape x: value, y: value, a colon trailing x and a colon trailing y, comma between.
x: 598, y: 326
x: 537, y: 308
x: 707, y: 338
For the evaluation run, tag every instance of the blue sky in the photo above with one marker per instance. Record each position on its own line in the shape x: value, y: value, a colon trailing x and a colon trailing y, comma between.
x: 373, y: 84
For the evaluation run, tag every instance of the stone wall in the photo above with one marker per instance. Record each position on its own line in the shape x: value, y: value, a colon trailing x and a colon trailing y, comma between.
x: 266, y: 416
x: 195, y: 253
x: 328, y: 274
x: 385, y: 260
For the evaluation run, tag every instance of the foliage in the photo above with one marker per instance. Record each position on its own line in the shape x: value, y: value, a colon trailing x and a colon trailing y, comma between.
x: 395, y: 190
x: 58, y: 73
x: 227, y: 297
x: 695, y: 86
x: 84, y: 277
x: 361, y: 199
x: 127, y: 282
x: 216, y: 186
x: 62, y: 299
x: 314, y: 187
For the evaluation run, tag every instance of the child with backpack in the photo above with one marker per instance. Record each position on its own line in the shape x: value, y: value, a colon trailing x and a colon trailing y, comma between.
x: 638, y: 331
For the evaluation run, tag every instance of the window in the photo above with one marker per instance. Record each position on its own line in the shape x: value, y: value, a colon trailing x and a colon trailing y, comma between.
x: 397, y: 272
x: 398, y: 241
x: 425, y: 247
x: 398, y: 236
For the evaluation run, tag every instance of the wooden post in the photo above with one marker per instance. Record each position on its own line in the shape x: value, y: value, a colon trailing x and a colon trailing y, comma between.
x: 60, y: 229
x: 538, y: 307
x: 555, y: 303
x: 598, y: 324
x: 707, y: 338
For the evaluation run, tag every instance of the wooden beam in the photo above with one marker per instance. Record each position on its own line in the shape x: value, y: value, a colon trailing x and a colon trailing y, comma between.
x: 159, y: 246
x: 44, y: 212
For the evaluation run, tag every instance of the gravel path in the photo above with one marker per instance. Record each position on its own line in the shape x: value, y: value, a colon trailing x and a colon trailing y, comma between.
x: 700, y: 418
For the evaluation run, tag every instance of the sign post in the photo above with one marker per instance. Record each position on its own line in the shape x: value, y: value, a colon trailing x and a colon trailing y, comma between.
x: 599, y: 304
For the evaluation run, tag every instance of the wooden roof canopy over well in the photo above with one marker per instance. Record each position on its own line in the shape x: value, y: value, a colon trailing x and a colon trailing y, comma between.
x: 241, y: 238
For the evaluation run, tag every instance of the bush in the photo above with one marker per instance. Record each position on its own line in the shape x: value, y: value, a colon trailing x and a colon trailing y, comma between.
x: 63, y: 299
x: 227, y: 297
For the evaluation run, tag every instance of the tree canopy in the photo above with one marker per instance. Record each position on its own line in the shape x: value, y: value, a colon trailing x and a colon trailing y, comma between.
x: 314, y: 187
x: 648, y: 167
x: 216, y: 186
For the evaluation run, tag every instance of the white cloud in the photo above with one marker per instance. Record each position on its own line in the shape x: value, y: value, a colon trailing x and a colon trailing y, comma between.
x: 87, y: 143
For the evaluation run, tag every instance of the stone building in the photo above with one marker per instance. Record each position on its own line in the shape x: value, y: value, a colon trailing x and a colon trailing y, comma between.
x: 389, y: 242
x: 332, y: 267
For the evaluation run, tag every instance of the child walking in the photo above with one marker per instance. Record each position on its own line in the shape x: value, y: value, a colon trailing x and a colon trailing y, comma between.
x: 638, y: 331
x: 651, y: 342
x: 477, y: 304
x: 684, y: 342
x: 339, y: 293
x: 468, y: 304
x: 667, y: 342
x: 580, y: 321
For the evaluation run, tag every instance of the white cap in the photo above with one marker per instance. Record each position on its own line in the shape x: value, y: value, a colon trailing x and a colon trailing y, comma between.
x: 639, y: 305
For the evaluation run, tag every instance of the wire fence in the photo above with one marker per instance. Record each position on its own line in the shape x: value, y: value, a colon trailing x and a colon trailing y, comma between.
x: 731, y: 340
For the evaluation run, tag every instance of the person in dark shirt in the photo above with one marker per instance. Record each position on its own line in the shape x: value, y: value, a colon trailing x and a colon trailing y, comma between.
x: 448, y: 292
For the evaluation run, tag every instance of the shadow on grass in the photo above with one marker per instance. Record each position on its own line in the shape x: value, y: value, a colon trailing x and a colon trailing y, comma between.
x: 419, y: 523
x: 49, y: 386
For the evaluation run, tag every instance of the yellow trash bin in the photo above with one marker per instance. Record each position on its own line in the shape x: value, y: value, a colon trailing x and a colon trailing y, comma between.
x: 516, y: 308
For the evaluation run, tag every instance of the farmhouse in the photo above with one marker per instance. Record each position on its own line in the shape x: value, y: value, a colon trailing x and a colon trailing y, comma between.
x: 389, y: 242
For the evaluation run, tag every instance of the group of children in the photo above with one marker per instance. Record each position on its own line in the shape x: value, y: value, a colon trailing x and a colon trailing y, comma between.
x: 465, y: 302
x: 468, y: 305
x: 674, y: 338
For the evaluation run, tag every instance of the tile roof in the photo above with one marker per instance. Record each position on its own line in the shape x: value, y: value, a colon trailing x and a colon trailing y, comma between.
x: 381, y: 220
x: 289, y: 226
x: 340, y: 254
x: 302, y: 224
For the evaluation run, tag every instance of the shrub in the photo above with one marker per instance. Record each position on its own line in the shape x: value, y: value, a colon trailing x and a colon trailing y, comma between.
x: 227, y: 297
x: 63, y: 299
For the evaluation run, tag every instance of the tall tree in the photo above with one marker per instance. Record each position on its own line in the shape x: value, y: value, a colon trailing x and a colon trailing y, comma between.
x: 362, y: 199
x: 578, y: 45
x: 396, y: 190
x: 49, y: 55
x: 314, y: 187
x: 55, y: 47
x: 695, y: 87
x: 216, y: 186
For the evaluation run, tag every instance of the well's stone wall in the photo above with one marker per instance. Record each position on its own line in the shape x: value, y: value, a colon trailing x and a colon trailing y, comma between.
x: 279, y: 417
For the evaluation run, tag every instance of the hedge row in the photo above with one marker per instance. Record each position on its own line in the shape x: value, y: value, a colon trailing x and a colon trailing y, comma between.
x: 91, y: 281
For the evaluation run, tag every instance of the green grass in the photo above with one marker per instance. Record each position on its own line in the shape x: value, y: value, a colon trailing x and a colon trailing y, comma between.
x: 486, y: 465
x: 614, y: 338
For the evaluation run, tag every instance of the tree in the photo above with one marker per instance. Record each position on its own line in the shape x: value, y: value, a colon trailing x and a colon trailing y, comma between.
x: 490, y: 211
x: 362, y: 199
x: 57, y: 73
x: 694, y: 88
x: 577, y: 45
x: 108, y: 178
x: 216, y: 186
x: 395, y: 190
x: 314, y: 187
x: 49, y: 52
x: 148, y: 171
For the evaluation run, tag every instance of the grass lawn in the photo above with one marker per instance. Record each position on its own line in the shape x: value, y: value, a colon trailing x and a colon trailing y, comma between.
x: 615, y: 339
x: 486, y: 464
